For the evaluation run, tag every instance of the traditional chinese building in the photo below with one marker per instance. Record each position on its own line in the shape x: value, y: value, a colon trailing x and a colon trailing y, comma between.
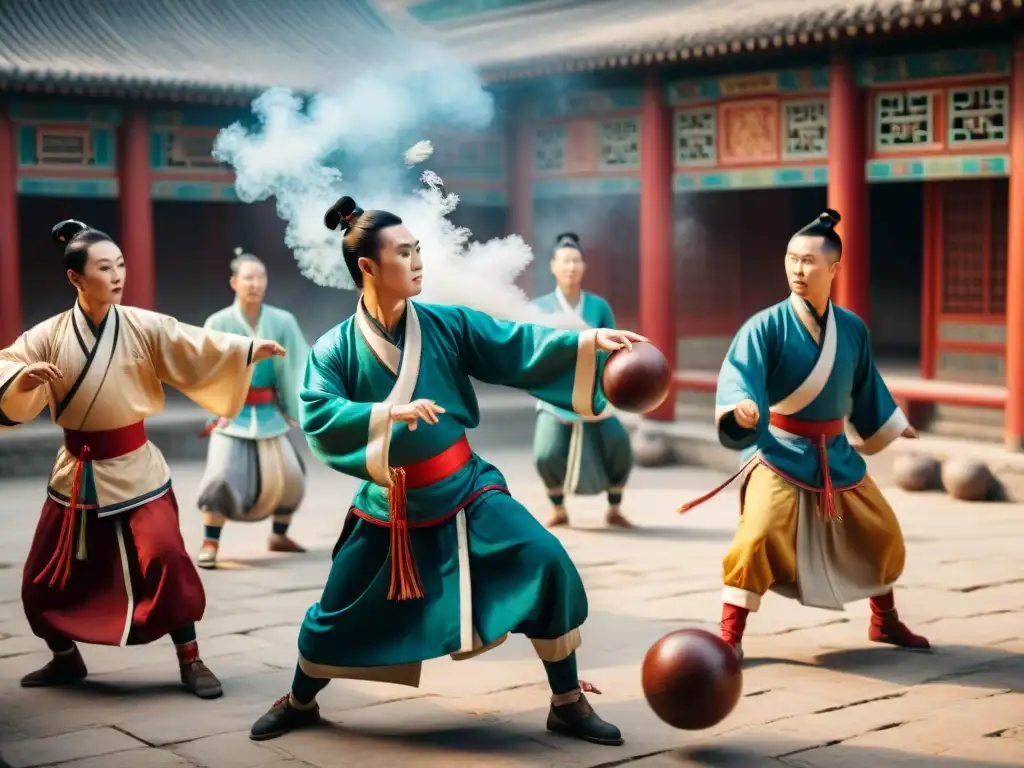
x: 683, y: 144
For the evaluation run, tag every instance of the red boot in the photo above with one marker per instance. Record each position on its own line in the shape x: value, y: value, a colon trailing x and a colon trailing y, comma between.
x: 734, y: 622
x: 886, y: 626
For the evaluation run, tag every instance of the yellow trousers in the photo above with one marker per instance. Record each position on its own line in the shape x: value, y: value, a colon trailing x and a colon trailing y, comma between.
x: 764, y: 552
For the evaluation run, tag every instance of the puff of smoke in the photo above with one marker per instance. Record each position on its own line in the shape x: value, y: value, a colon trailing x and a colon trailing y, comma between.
x: 288, y: 156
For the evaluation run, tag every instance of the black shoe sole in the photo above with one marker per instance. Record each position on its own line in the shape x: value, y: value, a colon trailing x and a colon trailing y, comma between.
x: 268, y: 736
x: 591, y: 739
x: 210, y: 694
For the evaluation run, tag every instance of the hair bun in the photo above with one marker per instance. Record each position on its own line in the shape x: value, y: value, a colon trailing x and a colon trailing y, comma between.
x: 341, y: 215
x: 238, y: 250
x: 568, y: 238
x: 65, y: 230
x: 830, y: 217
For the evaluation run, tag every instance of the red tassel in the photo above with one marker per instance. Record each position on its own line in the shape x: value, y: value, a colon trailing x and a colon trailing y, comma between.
x: 827, y: 499
x: 405, y: 578
x: 62, y: 556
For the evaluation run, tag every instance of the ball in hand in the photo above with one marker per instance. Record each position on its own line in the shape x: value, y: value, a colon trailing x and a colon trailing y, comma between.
x: 636, y: 380
x: 692, y: 679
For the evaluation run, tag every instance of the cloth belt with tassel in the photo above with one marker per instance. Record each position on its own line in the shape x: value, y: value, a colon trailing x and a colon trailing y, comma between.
x: 405, y: 578
x: 255, y: 396
x: 86, y: 447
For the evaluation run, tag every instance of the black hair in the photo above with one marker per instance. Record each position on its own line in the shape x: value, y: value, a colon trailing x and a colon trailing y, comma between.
x: 567, y: 240
x: 77, y: 238
x: 825, y: 227
x: 361, y: 238
x: 241, y: 257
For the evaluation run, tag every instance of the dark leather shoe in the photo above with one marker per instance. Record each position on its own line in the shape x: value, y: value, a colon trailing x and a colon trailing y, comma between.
x: 282, y: 718
x: 580, y: 721
x: 62, y: 669
x: 198, y: 678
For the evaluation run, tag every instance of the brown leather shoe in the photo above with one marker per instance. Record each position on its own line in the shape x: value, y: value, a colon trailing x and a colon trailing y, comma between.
x: 280, y: 543
x: 62, y: 669
x: 580, y: 721
x: 198, y: 678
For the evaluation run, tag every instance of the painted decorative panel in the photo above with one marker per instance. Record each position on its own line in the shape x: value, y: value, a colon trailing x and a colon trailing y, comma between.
x: 46, y: 186
x: 696, y: 136
x: 580, y: 147
x: 65, y: 145
x: 904, y: 120
x: 210, y: 191
x: 582, y: 103
x: 888, y: 70
x: 618, y: 143
x: 593, y: 187
x: 805, y: 129
x: 751, y: 178
x: 978, y: 114
x: 743, y: 86
x: 750, y: 132
x: 64, y: 111
x: 184, y: 149
x: 938, y: 167
x: 549, y: 145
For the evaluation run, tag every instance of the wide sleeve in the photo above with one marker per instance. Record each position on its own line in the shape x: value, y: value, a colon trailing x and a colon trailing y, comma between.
x: 349, y: 437
x: 33, y: 346
x: 562, y: 368
x: 874, y: 415
x: 744, y: 376
x: 211, y: 368
x: 290, y: 371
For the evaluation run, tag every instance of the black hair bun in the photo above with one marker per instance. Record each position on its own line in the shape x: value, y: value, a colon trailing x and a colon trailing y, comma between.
x: 341, y: 215
x: 570, y: 238
x: 830, y: 217
x: 65, y: 230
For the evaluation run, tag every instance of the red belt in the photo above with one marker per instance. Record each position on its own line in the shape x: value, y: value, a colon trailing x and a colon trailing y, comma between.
x: 818, y: 431
x: 86, y: 447
x: 260, y: 395
x: 405, y: 578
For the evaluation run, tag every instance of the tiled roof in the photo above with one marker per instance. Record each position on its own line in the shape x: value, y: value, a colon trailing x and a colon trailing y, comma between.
x: 223, y: 45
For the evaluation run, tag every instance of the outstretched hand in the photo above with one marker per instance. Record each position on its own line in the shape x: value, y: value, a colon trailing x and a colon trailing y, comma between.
x: 427, y: 410
x: 265, y: 348
x: 611, y: 340
x: 36, y: 375
x: 910, y: 433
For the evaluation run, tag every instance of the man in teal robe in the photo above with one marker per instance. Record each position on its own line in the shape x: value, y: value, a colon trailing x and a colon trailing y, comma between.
x: 252, y: 469
x: 576, y: 454
x: 435, y: 558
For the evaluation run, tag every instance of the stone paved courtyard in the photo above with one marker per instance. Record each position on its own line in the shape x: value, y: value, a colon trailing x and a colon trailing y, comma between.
x: 815, y: 692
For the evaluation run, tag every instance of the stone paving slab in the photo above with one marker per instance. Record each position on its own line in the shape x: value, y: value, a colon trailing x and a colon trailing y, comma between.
x: 816, y: 693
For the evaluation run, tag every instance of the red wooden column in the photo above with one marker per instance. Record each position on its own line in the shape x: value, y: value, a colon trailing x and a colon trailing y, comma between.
x: 11, y: 323
x: 1015, y: 261
x: 847, y: 184
x: 137, y: 242
x: 657, y: 285
x: 519, y: 170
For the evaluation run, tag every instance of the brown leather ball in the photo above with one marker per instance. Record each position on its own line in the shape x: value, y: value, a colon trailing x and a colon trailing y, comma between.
x: 636, y: 380
x: 916, y: 472
x: 692, y: 679
x: 966, y: 479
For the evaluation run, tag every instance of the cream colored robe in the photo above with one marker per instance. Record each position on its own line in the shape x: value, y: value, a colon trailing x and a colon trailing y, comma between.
x: 113, y: 376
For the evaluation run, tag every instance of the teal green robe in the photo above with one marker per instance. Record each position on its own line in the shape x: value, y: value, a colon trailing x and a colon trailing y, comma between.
x: 284, y: 374
x: 487, y: 566
x: 573, y: 454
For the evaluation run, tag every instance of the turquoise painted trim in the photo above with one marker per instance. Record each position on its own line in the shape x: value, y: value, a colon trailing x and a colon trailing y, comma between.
x: 592, y: 187
x: 65, y: 112
x: 452, y: 173
x: 435, y: 11
x: 196, y: 117
x: 887, y: 70
x: 27, y: 145
x: 788, y: 81
x: 482, y: 198
x: 211, y: 191
x: 583, y: 103
x: 940, y: 167
x: 157, y: 149
x: 47, y: 187
x: 751, y: 178
x: 103, y: 147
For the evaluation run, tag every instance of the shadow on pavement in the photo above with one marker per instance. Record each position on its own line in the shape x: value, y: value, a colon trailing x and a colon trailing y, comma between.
x: 837, y: 755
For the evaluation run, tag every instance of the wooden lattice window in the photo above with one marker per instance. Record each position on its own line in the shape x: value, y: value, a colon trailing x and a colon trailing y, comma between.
x: 64, y: 146
x: 974, y: 231
x: 191, y: 148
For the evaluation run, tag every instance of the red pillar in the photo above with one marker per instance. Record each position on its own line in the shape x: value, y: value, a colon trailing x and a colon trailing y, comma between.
x: 137, y: 211
x: 657, y: 285
x: 519, y: 170
x: 1015, y: 261
x: 11, y: 323
x: 847, y: 184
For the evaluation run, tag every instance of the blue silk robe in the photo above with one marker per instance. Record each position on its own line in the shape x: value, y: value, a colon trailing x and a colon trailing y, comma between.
x: 815, y: 369
x: 356, y: 373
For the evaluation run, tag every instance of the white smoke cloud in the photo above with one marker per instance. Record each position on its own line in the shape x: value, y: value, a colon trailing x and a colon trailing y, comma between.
x: 288, y: 155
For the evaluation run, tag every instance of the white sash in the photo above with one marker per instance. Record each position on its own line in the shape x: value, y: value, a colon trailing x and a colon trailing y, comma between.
x: 816, y: 380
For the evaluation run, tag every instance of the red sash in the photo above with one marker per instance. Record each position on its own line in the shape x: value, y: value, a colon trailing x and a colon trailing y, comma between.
x: 405, y: 578
x: 86, y: 447
x: 255, y: 396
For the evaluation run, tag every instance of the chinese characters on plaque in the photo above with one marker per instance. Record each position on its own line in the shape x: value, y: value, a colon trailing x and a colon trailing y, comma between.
x: 903, y: 119
x: 549, y: 148
x: 619, y: 143
x: 806, y: 126
x: 696, y: 136
x: 978, y: 114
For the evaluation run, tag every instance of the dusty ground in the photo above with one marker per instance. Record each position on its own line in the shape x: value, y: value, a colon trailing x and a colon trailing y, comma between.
x: 815, y: 692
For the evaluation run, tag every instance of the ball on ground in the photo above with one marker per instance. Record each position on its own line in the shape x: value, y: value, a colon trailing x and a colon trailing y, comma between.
x: 916, y: 472
x: 636, y: 380
x: 692, y: 679
x: 966, y: 479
